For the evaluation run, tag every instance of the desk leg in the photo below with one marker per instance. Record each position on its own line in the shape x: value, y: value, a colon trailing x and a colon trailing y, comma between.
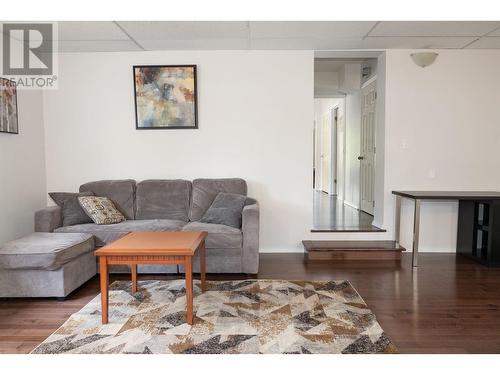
x: 397, y: 221
x: 103, y: 270
x: 416, y: 229
x: 133, y: 268
x: 203, y: 267
x: 188, y: 267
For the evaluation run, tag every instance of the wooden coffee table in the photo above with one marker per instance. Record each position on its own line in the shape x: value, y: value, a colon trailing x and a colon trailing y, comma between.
x: 153, y: 248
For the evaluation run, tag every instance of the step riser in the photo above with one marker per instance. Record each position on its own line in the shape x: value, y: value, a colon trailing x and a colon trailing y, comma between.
x: 351, y: 250
x: 313, y: 256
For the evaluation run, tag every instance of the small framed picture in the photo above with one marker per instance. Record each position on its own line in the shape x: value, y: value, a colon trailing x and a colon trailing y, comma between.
x: 8, y: 107
x: 165, y: 97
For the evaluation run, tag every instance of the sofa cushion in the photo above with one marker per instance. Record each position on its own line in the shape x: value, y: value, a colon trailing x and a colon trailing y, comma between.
x: 225, y: 209
x: 205, y: 190
x: 121, y: 192
x: 163, y: 199
x: 219, y: 236
x: 72, y: 213
x: 108, y: 233
x: 46, y: 251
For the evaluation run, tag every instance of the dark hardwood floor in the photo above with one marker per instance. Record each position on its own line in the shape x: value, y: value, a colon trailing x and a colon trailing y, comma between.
x: 448, y: 305
x: 331, y: 215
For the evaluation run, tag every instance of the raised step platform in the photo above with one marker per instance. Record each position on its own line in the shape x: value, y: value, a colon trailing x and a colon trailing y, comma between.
x: 351, y: 250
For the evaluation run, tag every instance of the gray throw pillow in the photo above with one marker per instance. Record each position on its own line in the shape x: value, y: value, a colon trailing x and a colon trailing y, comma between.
x: 225, y: 209
x: 72, y: 212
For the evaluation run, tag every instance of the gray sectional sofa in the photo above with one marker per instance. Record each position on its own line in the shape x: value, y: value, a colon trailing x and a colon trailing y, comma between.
x: 171, y: 205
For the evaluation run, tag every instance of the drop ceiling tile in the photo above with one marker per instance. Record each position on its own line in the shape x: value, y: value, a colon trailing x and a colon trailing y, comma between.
x: 203, y: 30
x: 194, y: 44
x: 434, y: 28
x: 87, y: 30
x: 415, y: 42
x: 308, y: 29
x: 485, y: 43
x: 305, y: 43
x: 90, y: 30
x: 97, y: 46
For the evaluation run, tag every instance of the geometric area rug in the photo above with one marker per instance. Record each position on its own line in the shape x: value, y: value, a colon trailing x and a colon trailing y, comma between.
x: 244, y: 316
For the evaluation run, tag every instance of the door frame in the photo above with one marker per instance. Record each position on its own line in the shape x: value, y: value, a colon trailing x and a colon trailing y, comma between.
x: 334, y: 123
x: 314, y: 154
x: 372, y: 79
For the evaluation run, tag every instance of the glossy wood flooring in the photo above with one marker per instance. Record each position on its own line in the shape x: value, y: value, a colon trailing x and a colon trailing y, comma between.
x: 331, y: 215
x: 448, y: 305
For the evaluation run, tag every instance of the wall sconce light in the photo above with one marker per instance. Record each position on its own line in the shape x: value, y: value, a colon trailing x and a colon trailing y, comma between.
x: 423, y: 59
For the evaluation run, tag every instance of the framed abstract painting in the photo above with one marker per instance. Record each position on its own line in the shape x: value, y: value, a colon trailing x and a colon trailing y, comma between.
x: 165, y: 97
x: 8, y: 107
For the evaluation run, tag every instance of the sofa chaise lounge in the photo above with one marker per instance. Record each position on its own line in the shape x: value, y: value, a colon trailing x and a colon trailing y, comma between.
x: 46, y: 264
x: 171, y: 205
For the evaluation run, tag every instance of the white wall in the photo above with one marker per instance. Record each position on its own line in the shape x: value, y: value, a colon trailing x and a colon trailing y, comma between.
x: 350, y: 77
x: 255, y: 117
x: 326, y: 84
x: 442, y: 132
x: 379, y: 209
x: 22, y: 169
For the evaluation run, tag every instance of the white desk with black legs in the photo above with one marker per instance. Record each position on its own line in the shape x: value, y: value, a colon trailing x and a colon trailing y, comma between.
x: 475, y: 209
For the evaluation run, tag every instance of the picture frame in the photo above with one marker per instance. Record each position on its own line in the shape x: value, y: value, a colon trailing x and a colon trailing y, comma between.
x: 9, y: 120
x: 165, y: 97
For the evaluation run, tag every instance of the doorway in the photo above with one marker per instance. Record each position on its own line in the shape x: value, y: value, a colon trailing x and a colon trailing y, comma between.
x: 344, y: 145
x: 329, y: 146
x: 328, y: 156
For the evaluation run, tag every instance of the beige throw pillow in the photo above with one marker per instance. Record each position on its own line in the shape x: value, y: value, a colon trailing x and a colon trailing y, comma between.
x: 101, y: 210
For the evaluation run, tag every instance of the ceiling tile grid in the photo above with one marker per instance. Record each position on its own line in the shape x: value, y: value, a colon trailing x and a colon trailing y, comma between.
x: 485, y: 43
x: 434, y: 28
x: 99, y: 36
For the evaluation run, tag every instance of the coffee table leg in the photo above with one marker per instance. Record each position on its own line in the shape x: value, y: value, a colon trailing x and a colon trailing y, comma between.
x: 103, y: 270
x: 203, y: 275
x: 133, y: 267
x: 188, y: 266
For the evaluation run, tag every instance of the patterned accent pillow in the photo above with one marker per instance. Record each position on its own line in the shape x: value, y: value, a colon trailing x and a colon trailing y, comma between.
x: 101, y: 210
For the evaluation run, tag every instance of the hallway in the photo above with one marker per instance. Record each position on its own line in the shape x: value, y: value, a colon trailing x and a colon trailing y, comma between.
x: 330, y: 215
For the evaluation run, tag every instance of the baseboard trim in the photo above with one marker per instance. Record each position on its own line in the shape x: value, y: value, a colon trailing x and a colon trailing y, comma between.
x: 281, y: 251
x: 299, y: 251
x: 351, y: 205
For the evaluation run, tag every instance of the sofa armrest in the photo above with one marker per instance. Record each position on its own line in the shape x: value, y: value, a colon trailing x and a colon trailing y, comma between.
x: 250, y: 229
x: 48, y: 219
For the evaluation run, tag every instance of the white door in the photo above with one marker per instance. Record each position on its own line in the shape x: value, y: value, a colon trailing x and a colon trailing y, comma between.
x: 367, y: 157
x: 325, y: 154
